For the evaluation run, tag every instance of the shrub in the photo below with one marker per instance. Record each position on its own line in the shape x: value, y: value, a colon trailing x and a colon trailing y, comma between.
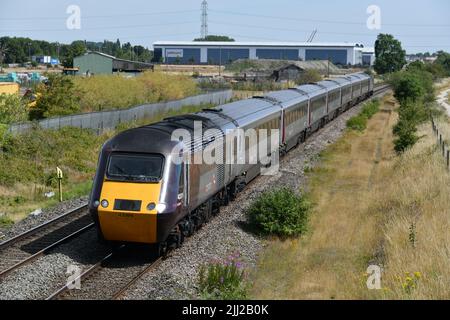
x: 12, y: 109
x: 223, y: 280
x: 370, y: 108
x: 406, y: 139
x: 279, y: 212
x: 358, y: 123
x: 58, y: 97
x: 308, y: 76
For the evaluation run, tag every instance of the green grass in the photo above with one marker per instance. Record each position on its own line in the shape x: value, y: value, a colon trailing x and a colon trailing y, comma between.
x: 5, y: 221
x: 359, y: 122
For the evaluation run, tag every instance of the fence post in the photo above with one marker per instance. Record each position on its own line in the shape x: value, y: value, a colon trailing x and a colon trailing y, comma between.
x: 443, y: 149
x: 448, y: 158
x: 440, y: 139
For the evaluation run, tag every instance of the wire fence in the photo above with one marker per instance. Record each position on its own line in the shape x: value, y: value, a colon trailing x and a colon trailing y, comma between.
x: 443, y: 148
x: 102, y: 120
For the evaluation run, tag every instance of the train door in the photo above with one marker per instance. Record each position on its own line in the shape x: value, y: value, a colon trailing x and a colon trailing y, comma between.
x: 183, y: 186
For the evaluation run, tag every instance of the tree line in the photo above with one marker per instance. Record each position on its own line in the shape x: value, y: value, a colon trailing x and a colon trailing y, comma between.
x: 412, y: 84
x: 19, y: 50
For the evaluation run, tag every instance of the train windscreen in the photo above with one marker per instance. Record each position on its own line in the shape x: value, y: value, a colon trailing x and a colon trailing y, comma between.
x: 139, y: 168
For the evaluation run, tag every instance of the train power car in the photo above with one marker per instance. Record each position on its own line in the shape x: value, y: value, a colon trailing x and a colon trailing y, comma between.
x: 150, y: 189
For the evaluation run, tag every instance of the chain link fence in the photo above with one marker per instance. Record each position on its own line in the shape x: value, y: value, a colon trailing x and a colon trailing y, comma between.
x: 110, y: 119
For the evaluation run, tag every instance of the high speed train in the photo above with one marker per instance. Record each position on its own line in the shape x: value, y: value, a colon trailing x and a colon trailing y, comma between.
x: 144, y: 193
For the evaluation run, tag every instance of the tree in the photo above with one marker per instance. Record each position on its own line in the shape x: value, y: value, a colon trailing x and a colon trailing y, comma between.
x: 3, y: 51
x: 77, y: 48
x: 215, y: 38
x: 58, y: 96
x: 443, y: 59
x: 390, y: 57
x: 408, y: 86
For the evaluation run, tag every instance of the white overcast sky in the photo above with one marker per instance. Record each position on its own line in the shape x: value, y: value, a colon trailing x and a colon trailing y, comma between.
x: 420, y: 25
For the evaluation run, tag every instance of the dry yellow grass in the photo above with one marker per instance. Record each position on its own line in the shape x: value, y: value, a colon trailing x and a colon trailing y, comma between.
x: 103, y: 92
x: 366, y: 200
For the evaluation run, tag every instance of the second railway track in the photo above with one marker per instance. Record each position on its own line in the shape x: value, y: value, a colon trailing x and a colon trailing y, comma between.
x: 32, y: 244
x: 111, y: 276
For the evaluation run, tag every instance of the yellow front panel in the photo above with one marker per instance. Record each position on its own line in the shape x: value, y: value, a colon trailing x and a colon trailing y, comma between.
x: 132, y: 226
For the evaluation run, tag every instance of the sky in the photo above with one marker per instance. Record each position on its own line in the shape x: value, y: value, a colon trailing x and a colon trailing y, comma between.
x: 420, y: 25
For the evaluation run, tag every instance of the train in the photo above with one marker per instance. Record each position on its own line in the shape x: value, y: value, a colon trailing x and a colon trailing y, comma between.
x: 148, y: 187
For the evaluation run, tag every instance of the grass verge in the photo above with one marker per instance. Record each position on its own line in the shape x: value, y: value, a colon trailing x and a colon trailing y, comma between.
x: 372, y: 207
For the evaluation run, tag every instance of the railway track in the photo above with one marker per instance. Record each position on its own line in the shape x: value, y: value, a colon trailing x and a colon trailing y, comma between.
x: 111, y: 276
x: 34, y: 243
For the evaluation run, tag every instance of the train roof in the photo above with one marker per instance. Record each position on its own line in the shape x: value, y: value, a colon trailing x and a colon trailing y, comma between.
x: 329, y: 84
x: 287, y: 97
x: 312, y: 89
x: 354, y: 77
x: 243, y: 111
x: 362, y: 75
x: 342, y: 81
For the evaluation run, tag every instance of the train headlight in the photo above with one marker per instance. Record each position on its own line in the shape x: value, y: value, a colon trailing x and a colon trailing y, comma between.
x: 151, y: 206
x: 160, y: 207
x: 105, y: 203
x: 96, y: 203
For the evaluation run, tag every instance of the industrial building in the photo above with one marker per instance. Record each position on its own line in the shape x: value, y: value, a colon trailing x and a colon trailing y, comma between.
x: 208, y: 52
x: 94, y: 62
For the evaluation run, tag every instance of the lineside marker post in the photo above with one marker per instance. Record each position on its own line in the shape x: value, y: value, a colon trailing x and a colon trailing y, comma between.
x: 59, y: 174
x: 448, y: 158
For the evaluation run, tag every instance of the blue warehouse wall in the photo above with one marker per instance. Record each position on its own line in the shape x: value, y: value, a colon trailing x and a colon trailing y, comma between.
x: 189, y: 56
x: 283, y: 54
x: 224, y: 56
x: 335, y: 55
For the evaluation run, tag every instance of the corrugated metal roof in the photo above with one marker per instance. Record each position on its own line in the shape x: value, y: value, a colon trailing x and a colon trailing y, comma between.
x: 254, y: 44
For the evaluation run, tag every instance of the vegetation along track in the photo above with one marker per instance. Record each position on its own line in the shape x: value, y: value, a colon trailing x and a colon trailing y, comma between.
x: 32, y: 244
x: 111, y: 276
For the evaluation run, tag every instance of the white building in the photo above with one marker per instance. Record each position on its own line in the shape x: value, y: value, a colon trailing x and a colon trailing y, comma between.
x: 211, y: 52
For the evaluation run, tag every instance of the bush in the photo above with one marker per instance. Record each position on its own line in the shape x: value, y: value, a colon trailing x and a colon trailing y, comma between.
x: 308, y: 76
x: 223, y: 280
x: 279, y: 212
x: 12, y: 109
x: 370, y: 108
x: 358, y: 123
x: 58, y: 97
x: 406, y: 139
